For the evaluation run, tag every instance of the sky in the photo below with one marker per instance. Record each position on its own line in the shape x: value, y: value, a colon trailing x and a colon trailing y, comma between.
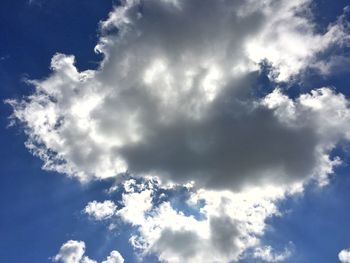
x: 174, y: 131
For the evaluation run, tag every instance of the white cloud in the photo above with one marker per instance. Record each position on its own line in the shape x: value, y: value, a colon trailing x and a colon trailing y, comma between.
x: 114, y: 257
x: 344, y: 256
x: 325, y: 112
x: 88, y: 260
x: 289, y: 41
x: 73, y: 252
x: 226, y: 226
x: 100, y: 210
x: 135, y: 206
x: 267, y: 254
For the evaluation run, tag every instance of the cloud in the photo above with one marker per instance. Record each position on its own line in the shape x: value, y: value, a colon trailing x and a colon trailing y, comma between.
x: 73, y: 252
x: 344, y: 256
x: 173, y: 97
x: 207, y: 226
x: 114, y: 257
x: 100, y: 210
x: 267, y: 254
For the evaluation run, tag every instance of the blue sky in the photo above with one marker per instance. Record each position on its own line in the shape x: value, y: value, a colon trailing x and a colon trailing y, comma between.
x: 41, y: 210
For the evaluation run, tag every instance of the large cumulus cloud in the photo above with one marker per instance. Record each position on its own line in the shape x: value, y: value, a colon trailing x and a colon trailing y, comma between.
x: 176, y: 97
x: 173, y: 97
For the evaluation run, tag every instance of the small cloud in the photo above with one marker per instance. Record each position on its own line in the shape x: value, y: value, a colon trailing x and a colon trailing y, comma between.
x: 114, y: 257
x: 100, y: 210
x: 73, y: 252
x: 344, y: 256
x: 268, y: 254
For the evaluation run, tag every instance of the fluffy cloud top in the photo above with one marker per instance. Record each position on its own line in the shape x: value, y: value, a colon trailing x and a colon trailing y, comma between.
x: 73, y: 252
x: 114, y: 257
x: 344, y: 256
x: 100, y: 210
